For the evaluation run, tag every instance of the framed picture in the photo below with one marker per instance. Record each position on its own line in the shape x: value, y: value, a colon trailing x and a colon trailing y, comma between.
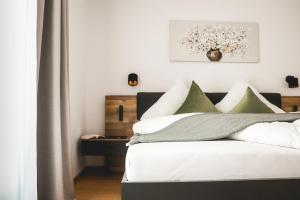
x: 208, y: 41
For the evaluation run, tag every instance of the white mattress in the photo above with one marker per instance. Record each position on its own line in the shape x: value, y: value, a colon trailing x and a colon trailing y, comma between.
x: 210, y: 160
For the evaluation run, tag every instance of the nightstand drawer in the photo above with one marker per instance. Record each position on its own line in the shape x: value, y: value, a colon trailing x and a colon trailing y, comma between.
x: 103, y: 147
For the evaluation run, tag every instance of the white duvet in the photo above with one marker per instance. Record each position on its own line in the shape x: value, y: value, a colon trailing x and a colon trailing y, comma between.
x: 276, y: 133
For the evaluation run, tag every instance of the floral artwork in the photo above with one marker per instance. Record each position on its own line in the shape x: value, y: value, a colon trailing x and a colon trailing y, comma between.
x: 208, y: 41
x: 228, y: 39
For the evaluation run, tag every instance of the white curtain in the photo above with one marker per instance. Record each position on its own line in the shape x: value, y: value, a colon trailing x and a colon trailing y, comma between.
x: 18, y: 100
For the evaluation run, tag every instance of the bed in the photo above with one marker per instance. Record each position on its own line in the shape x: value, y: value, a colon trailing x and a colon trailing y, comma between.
x: 189, y: 171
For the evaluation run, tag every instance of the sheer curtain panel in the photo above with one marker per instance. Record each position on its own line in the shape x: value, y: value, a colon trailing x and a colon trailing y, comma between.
x: 18, y: 100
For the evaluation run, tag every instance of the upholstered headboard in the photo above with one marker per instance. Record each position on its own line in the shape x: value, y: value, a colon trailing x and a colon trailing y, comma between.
x: 146, y: 99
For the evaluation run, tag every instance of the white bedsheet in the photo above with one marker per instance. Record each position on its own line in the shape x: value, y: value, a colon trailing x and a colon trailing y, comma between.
x: 210, y: 160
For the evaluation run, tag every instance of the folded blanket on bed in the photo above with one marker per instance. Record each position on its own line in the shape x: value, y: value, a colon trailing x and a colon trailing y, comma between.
x: 211, y: 126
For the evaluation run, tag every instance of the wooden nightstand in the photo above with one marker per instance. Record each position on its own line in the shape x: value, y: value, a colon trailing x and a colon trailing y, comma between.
x: 120, y: 114
x: 113, y: 149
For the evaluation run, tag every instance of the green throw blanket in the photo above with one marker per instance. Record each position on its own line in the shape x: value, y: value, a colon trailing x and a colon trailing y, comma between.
x: 211, y: 126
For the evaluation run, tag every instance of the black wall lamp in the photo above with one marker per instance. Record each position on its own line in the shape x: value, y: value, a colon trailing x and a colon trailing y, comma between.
x: 133, y: 79
x: 292, y: 81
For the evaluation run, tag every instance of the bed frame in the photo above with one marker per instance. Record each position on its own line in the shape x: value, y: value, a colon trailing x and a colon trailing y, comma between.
x: 271, y: 189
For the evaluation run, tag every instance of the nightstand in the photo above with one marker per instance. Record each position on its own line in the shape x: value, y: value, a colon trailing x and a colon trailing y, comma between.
x: 120, y: 114
x: 113, y: 149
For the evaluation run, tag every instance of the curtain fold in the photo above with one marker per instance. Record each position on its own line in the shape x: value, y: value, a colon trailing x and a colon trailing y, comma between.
x: 39, y: 30
x: 53, y: 113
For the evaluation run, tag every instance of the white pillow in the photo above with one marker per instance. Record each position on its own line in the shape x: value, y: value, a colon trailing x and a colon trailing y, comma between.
x: 170, y: 102
x: 235, y: 95
x: 155, y: 124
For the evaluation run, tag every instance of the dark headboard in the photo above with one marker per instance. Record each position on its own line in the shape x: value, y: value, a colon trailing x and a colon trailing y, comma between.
x: 146, y: 99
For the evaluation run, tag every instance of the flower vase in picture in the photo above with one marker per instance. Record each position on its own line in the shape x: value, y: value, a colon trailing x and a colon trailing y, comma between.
x: 214, y: 55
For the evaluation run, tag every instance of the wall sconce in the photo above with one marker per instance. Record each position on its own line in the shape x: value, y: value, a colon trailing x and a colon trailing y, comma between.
x: 133, y: 79
x: 292, y: 81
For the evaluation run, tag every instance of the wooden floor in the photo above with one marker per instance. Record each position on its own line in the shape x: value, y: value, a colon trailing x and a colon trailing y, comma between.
x: 98, y: 184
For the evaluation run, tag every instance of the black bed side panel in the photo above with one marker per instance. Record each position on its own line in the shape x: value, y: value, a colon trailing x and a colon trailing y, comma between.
x: 219, y: 190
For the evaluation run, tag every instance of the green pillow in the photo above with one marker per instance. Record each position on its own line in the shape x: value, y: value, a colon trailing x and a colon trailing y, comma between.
x: 250, y: 103
x: 196, y: 101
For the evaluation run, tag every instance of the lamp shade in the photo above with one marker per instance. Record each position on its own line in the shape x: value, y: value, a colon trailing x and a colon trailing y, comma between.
x: 133, y: 79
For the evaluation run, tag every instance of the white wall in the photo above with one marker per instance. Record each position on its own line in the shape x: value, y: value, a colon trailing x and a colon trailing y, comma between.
x: 111, y: 38
x: 77, y: 83
x: 88, y: 62
x: 139, y: 43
